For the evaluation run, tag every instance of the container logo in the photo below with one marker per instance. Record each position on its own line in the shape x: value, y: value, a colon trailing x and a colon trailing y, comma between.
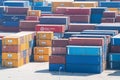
x: 42, y: 29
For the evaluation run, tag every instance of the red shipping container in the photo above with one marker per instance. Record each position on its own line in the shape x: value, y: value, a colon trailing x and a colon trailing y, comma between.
x: 57, y: 59
x: 117, y: 19
x: 115, y: 49
x: 78, y: 11
x: 108, y: 20
x: 52, y: 14
x: 60, y: 10
x: 79, y: 18
x: 54, y: 28
x: 17, y: 10
x: 11, y: 29
x: 59, y: 50
x: 13, y: 48
x: 28, y: 24
x: 32, y: 18
x: 86, y: 41
x: 75, y: 27
x: 109, y: 14
x: 59, y: 42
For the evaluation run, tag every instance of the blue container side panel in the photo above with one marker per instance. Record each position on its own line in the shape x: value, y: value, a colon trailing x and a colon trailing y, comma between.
x: 10, y: 24
x: 78, y: 68
x: 84, y: 50
x: 115, y: 65
x: 114, y: 57
x: 90, y: 60
x: 56, y: 67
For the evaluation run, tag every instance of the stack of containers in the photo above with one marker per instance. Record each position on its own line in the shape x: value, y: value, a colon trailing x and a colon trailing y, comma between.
x: 108, y: 26
x: 57, y: 24
x: 43, y: 46
x: 85, y: 55
x: 76, y: 14
x: 97, y: 14
x: 16, y: 49
x: 58, y: 58
x: 16, y: 11
x: 2, y: 34
x: 32, y: 19
x: 109, y: 17
x: 114, y: 55
x: 43, y: 6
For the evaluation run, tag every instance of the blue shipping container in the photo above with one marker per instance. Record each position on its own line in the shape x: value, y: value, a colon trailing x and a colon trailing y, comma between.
x: 56, y: 67
x: 11, y: 24
x: 108, y: 26
x: 114, y: 57
x: 98, y: 33
x: 84, y: 50
x: 96, y: 18
x: 16, y: 3
x: 98, y: 10
x: 115, y: 32
x: 58, y: 35
x: 37, y: 4
x: 115, y: 65
x: 115, y: 40
x: 43, y: 8
x: 110, y: 4
x: 83, y: 68
x: 84, y: 60
x: 69, y: 34
x: 14, y: 17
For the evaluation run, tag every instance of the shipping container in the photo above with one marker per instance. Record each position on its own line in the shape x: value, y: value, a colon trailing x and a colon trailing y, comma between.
x: 54, y: 28
x: 84, y: 50
x: 59, y: 42
x: 42, y: 50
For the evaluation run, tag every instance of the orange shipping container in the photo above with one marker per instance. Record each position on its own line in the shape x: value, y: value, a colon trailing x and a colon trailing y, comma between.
x: 15, y: 56
x: 61, y: 4
x: 85, y: 4
x: 42, y: 50
x: 11, y: 41
x: 34, y: 13
x: 45, y: 35
x: 41, y: 58
x: 12, y: 63
x: 44, y: 43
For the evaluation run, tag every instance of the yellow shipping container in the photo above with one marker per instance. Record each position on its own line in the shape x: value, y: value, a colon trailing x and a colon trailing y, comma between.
x: 114, y: 9
x: 34, y: 13
x: 15, y: 56
x: 85, y: 4
x: 41, y: 58
x: 44, y: 43
x: 11, y: 41
x: 12, y: 63
x: 61, y: 4
x: 45, y: 35
x: 42, y: 50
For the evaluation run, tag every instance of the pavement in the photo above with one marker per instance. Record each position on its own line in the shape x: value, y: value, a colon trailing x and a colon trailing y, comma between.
x: 39, y: 71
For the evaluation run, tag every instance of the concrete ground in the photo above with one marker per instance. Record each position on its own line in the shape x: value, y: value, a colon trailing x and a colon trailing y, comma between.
x: 39, y: 71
